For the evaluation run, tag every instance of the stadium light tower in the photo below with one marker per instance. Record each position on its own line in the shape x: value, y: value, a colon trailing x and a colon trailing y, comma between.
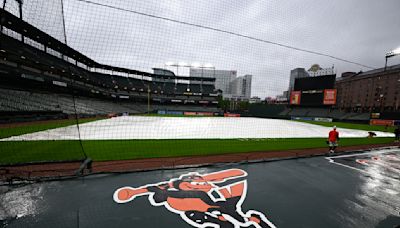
x: 391, y: 54
x: 205, y: 66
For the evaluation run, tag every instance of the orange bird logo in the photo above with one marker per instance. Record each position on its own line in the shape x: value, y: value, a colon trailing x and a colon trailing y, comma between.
x: 199, y: 201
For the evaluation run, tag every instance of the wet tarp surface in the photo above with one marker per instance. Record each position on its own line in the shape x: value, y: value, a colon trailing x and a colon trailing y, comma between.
x: 357, y: 190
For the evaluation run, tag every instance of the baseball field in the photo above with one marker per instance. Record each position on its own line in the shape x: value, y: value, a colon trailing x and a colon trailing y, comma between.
x: 136, y: 137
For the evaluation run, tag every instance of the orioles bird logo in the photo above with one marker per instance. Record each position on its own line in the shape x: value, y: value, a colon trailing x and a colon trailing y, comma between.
x: 191, y: 196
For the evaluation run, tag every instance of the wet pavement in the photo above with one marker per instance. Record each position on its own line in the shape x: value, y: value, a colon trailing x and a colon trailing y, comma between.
x: 357, y: 190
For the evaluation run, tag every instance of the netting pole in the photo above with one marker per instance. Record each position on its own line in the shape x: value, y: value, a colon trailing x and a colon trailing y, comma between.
x: 20, y: 2
x: 72, y: 80
x: 148, y: 99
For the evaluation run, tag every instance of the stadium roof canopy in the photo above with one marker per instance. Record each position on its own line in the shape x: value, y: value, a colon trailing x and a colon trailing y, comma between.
x: 167, y: 74
x: 372, y: 73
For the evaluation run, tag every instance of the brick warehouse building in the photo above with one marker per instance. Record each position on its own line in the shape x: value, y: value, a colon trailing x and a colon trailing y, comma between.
x: 372, y: 91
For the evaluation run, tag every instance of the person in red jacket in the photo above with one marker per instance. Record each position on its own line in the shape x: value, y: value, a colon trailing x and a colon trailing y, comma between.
x: 333, y: 140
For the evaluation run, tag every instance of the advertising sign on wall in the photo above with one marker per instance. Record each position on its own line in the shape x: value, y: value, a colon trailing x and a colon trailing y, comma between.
x: 323, y: 119
x: 189, y: 113
x: 382, y: 122
x: 295, y: 97
x: 231, y: 115
x: 161, y: 112
x: 329, y: 96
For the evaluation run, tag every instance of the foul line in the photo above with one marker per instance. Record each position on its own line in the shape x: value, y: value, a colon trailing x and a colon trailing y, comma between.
x: 330, y: 159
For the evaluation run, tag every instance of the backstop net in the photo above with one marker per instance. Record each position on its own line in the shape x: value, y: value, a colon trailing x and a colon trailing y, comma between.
x: 123, y: 81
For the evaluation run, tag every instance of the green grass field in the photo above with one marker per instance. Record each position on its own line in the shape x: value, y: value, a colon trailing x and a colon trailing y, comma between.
x: 14, y: 152
x: 35, y: 151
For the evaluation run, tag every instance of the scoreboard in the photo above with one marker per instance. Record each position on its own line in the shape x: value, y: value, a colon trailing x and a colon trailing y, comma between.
x: 314, y: 91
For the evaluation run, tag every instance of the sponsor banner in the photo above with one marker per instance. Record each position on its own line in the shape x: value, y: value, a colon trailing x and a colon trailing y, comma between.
x: 382, y: 122
x: 190, y: 113
x: 203, y: 102
x: 205, y: 113
x: 329, y: 96
x: 174, y: 113
x: 375, y: 115
x: 295, y: 97
x: 231, y: 115
x: 320, y: 119
x: 161, y: 112
x: 302, y: 118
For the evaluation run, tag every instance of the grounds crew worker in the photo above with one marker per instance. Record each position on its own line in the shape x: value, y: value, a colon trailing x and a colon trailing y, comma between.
x: 333, y: 140
x: 397, y: 134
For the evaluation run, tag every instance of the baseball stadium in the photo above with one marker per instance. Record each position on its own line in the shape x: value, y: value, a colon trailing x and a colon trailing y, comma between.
x: 199, y: 114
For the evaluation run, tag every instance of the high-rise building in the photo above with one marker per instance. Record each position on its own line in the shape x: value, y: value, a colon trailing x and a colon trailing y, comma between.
x: 296, y: 73
x: 223, y: 78
x: 241, y: 88
x: 232, y: 87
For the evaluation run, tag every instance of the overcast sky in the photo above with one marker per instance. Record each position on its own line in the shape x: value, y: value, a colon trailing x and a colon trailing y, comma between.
x: 358, y: 30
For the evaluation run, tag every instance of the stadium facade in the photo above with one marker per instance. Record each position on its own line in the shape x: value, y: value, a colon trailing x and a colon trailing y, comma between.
x: 371, y: 91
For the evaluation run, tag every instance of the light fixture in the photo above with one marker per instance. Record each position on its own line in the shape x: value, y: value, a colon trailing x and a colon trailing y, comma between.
x: 393, y: 53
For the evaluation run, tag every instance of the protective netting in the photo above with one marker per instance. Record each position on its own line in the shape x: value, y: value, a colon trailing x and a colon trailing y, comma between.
x: 95, y: 68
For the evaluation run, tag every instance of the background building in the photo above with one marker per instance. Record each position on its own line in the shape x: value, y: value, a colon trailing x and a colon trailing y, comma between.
x: 296, y: 73
x: 240, y: 88
x: 376, y: 90
x: 316, y: 70
x: 232, y: 87
x: 223, y: 78
x: 254, y: 100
